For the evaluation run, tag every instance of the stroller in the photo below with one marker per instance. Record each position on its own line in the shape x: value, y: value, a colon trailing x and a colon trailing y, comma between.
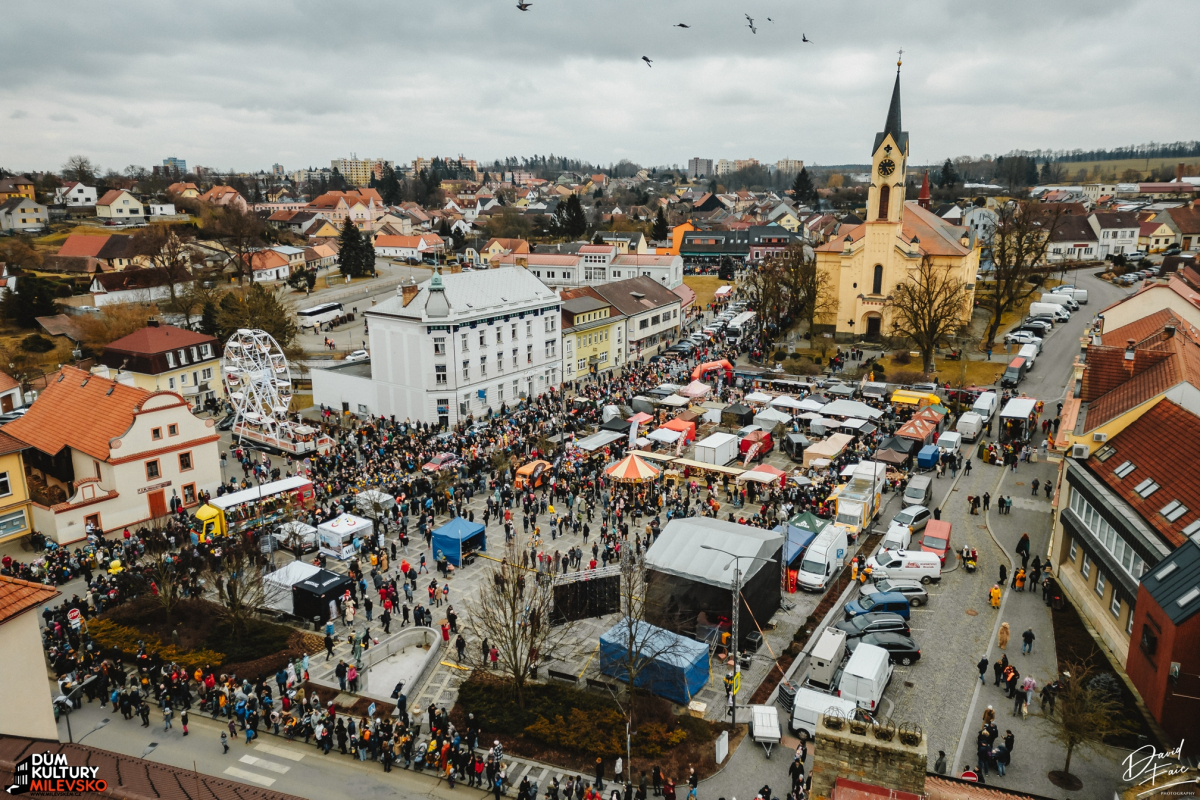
x: 970, y: 559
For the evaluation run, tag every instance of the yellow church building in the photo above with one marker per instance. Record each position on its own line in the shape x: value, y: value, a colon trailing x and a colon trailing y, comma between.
x: 872, y: 259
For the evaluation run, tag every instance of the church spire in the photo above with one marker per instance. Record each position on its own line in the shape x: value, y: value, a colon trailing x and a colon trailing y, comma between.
x: 923, y: 197
x: 892, y: 125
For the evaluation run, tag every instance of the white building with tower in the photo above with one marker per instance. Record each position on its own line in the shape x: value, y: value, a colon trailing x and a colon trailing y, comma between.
x: 453, y: 347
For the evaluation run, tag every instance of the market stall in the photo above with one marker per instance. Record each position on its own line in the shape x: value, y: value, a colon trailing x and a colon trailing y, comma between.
x: 531, y: 474
x: 737, y: 416
x: 632, y: 469
x: 1018, y: 420
x: 696, y: 390
x: 768, y: 418
x: 688, y: 429
x: 667, y: 664
x: 277, y: 585
x: 339, y: 537
x: 763, y: 473
x: 316, y: 596
x: 851, y: 408
x: 828, y: 449
x: 457, y: 540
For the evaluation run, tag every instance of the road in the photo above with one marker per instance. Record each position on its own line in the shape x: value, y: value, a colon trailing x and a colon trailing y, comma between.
x: 356, y: 299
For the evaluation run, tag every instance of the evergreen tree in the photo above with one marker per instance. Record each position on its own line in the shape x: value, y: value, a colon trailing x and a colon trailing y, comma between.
x: 949, y: 176
x: 34, y: 297
x: 802, y: 188
x: 574, y: 219
x: 351, y: 256
x: 660, y: 232
x: 389, y: 186
x: 208, y: 318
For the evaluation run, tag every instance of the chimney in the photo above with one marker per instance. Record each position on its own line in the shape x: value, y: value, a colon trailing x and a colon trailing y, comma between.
x: 1179, y: 172
x: 408, y: 290
x: 891, y: 759
x: 1169, y: 330
x: 1130, y: 351
x: 153, y: 323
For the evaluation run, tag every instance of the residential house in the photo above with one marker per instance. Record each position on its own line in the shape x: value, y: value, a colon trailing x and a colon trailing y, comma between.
x: 120, y: 206
x: 108, y: 455
x: 1095, y: 191
x: 319, y: 228
x: 17, y: 186
x: 1164, y: 665
x: 164, y: 357
x: 1072, y: 239
x: 394, y: 225
x: 409, y: 248
x: 362, y: 206
x: 16, y: 509
x: 184, y: 190
x: 320, y: 256
x: 651, y: 311
x: 74, y: 193
x: 1184, y: 223
x: 496, y: 247
x: 784, y: 216
x: 115, y: 251
x: 225, y: 196
x: 10, y: 393
x: 951, y: 212
x: 1167, y: 190
x: 268, y: 265
x: 981, y: 221
x: 1155, y: 235
x: 1116, y: 232
x: 294, y: 256
x: 30, y: 705
x: 453, y: 348
x: 144, y: 285
x: 61, y: 326
x: 23, y: 214
x: 593, y: 334
x: 292, y: 219
x: 626, y: 242
x: 1173, y: 293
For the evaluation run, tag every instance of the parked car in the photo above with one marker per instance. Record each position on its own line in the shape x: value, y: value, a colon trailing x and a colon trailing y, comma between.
x: 1173, y: 250
x: 359, y: 355
x: 873, y: 623
x: 440, y: 463
x: 1134, y: 257
x: 227, y: 421
x: 966, y: 394
x: 1040, y: 326
x: 912, y: 589
x: 880, y: 602
x: 1020, y: 337
x: 901, y: 648
x: 912, y: 519
x: 936, y: 539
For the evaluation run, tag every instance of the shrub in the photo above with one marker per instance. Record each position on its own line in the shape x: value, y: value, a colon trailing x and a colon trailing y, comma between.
x: 778, y: 355
x: 261, y: 639
x: 902, y: 357
x: 35, y: 343
x: 111, y: 636
x: 878, y: 375
x: 797, y: 367
x: 795, y: 355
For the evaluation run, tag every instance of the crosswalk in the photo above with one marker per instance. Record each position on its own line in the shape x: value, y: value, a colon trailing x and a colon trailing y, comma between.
x: 264, y: 764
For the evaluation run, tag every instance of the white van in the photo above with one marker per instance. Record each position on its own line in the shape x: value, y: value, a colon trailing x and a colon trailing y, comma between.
x: 914, y: 564
x: 969, y: 426
x: 810, y: 704
x: 1080, y: 296
x: 1029, y: 353
x: 919, y: 491
x: 823, y: 559
x: 1060, y: 298
x: 985, y: 406
x: 866, y: 675
x: 897, y: 538
x: 1059, y: 312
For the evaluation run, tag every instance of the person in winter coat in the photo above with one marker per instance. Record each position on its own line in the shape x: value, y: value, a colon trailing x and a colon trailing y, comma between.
x: 1002, y: 637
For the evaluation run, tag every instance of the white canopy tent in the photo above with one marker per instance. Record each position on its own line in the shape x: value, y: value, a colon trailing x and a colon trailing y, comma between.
x: 851, y: 408
x: 808, y: 404
x: 277, y: 585
x: 664, y: 435
x: 786, y: 401
x: 675, y: 401
x: 758, y: 397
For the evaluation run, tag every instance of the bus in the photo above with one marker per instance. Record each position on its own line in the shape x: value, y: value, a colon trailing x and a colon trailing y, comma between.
x: 236, y: 512
x: 318, y: 315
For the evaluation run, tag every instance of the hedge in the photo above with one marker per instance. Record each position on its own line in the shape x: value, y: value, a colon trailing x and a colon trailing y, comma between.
x: 110, y: 635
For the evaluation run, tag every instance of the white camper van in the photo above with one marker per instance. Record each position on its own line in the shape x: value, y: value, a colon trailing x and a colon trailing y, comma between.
x: 823, y: 559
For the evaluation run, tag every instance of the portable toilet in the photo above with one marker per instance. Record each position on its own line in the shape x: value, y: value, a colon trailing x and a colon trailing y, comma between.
x: 927, y: 458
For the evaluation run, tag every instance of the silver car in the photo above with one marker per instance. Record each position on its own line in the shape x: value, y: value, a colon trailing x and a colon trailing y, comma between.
x: 913, y: 590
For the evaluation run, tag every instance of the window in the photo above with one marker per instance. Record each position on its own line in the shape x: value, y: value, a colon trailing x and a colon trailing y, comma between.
x: 183, y: 379
x: 529, y: 354
x: 1129, y: 620
x: 500, y: 362
x: 1173, y: 510
x: 466, y: 370
x: 439, y: 345
x: 183, y: 359
x: 1124, y: 469
x: 550, y: 324
x: 581, y: 365
x: 513, y: 332
x: 515, y: 351
x: 528, y: 328
x: 189, y: 494
x: 466, y: 345
x: 185, y: 462
x: 1146, y: 488
x: 152, y: 470
x: 206, y: 350
x: 516, y: 390
x: 172, y: 430
x: 1192, y: 531
x: 550, y: 349
x: 170, y: 359
x: 655, y: 319
x: 483, y: 366
x: 12, y: 522
x: 483, y: 338
x: 1115, y: 605
x: 1085, y: 566
x: 443, y: 405
x: 1100, y: 583
x: 156, y: 433
x: 877, y: 280
x: 5, y: 485
x: 440, y: 376
x: 195, y: 353
x: 885, y: 196
x: 1149, y: 642
x: 206, y: 374
x: 642, y: 325
x: 499, y: 334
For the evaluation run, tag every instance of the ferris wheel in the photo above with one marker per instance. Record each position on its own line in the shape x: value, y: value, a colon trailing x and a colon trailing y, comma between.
x: 257, y: 380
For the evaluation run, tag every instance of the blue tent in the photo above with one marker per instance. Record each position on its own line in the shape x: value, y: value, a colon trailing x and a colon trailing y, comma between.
x: 456, y: 537
x: 800, y: 533
x: 927, y: 458
x: 676, y: 668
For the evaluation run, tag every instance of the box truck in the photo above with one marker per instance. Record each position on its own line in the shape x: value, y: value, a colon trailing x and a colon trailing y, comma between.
x: 718, y: 449
x: 856, y: 502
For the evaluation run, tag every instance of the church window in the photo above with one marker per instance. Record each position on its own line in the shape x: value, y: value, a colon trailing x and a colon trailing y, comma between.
x: 885, y: 193
x: 877, y: 281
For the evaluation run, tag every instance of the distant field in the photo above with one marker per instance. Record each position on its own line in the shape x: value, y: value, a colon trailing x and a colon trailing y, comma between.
x: 1143, y: 165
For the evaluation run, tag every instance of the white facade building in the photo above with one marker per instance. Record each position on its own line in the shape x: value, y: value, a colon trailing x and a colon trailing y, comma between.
x: 1116, y: 231
x: 595, y: 265
x: 454, y: 347
x: 75, y: 193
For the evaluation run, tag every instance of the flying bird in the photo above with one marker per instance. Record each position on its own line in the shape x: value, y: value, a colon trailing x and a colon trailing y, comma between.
x: 524, y: 6
x: 750, y: 19
x: 770, y: 20
x: 681, y: 25
x: 805, y: 38
x: 752, y: 28
x: 647, y: 60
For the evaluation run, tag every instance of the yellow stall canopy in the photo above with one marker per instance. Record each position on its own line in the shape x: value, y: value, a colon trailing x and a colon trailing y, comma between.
x: 919, y: 399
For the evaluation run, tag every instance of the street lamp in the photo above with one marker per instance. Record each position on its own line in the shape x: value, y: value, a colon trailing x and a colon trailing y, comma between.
x: 98, y: 726
x: 737, y: 596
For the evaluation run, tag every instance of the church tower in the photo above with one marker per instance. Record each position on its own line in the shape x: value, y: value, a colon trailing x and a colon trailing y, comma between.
x: 885, y: 201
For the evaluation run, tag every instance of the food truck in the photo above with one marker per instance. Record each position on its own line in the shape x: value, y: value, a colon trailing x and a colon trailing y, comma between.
x: 237, y: 512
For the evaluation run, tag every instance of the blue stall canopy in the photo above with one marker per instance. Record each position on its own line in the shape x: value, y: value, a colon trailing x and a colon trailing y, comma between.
x: 458, y: 537
x: 800, y: 532
x: 927, y: 458
x: 672, y: 666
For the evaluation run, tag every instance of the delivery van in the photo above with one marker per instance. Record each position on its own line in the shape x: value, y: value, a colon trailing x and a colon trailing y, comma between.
x: 1080, y: 296
x: 1029, y: 353
x: 1061, y: 298
x: 985, y: 406
x: 969, y: 426
x: 1060, y: 313
x: 865, y: 676
x: 919, y: 491
x: 808, y: 707
x: 1015, y: 372
x: 914, y: 564
x: 823, y: 559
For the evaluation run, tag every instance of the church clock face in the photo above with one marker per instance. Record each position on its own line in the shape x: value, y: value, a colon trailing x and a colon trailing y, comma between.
x: 887, y: 167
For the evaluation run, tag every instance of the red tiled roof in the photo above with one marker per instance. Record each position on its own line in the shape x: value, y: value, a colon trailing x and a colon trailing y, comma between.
x: 110, y: 197
x: 1113, y: 384
x: 8, y: 444
x: 78, y: 410
x: 1186, y: 218
x: 78, y: 245
x: 1157, y: 443
x: 18, y: 596
x: 1148, y: 227
x: 1140, y: 329
x: 265, y: 259
x: 159, y: 339
x: 513, y: 245
x: 7, y: 382
x: 939, y: 787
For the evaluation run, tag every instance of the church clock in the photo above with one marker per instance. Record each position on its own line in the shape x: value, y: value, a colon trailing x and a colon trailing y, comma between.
x: 887, y: 167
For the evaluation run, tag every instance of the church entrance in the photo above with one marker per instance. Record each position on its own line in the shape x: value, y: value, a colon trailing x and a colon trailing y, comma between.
x: 874, y: 325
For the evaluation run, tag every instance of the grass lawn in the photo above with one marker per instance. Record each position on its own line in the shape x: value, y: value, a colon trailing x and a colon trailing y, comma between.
x: 705, y: 286
x: 977, y: 373
x: 300, y: 402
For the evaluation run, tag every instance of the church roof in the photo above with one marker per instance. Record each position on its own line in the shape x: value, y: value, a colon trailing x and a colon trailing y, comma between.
x: 937, y: 236
x: 892, y: 125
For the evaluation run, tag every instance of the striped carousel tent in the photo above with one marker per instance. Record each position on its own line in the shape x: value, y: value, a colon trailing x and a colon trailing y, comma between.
x: 632, y: 469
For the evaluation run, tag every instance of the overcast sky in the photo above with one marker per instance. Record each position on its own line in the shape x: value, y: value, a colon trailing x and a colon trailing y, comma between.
x: 246, y: 84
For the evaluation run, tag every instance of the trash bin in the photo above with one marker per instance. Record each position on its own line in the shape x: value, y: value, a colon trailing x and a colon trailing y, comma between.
x: 317, y: 624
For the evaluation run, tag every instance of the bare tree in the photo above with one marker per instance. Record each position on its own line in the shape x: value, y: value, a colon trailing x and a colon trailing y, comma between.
x: 240, y: 233
x: 807, y: 289
x: 240, y: 591
x: 113, y: 322
x: 164, y: 249
x: 928, y: 308
x: 80, y: 168
x: 768, y: 299
x: 512, y: 612
x: 168, y: 577
x: 1019, y: 234
x: 1087, y: 711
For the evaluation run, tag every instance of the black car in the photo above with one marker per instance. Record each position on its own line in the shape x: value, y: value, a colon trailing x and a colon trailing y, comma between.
x: 226, y: 422
x: 1173, y: 250
x: 901, y: 649
x: 873, y: 622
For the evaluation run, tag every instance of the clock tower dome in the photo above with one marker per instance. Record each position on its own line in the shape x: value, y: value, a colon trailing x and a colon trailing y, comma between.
x: 885, y: 200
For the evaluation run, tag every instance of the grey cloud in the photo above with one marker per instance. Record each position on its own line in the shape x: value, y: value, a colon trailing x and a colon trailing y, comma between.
x: 18, y: 114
